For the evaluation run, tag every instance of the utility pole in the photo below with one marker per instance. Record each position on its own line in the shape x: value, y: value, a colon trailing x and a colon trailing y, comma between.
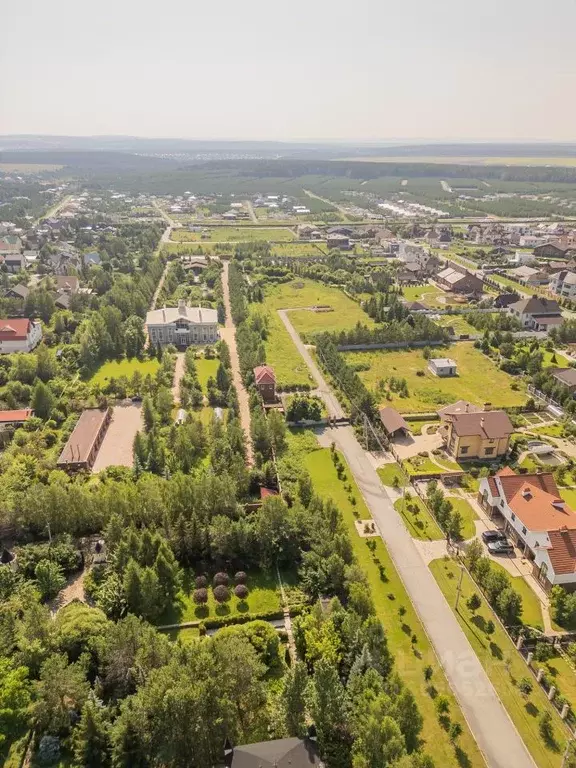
x: 459, y: 588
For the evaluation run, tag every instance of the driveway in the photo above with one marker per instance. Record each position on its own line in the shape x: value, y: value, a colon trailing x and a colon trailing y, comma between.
x: 228, y: 334
x: 412, y: 445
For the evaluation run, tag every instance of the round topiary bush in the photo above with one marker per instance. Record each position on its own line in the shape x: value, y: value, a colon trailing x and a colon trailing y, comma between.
x: 241, y: 591
x: 200, y: 596
x: 201, y: 582
x: 240, y: 577
x: 221, y: 578
x: 221, y: 594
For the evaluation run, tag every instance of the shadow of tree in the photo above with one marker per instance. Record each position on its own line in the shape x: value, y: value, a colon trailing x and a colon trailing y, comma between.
x: 496, y: 651
x: 462, y: 758
x: 480, y: 622
x: 531, y: 708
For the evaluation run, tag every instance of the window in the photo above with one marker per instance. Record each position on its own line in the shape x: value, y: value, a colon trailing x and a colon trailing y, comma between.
x: 464, y: 449
x: 489, y: 451
x: 524, y: 529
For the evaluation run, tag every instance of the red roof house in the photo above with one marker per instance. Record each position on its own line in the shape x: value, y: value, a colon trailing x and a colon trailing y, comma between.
x: 265, y: 382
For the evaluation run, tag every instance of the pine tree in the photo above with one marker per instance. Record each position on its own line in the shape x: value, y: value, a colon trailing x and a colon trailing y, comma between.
x: 91, y: 738
x: 148, y: 413
x: 293, y: 701
x: 167, y: 571
x: 42, y: 400
x: 133, y: 588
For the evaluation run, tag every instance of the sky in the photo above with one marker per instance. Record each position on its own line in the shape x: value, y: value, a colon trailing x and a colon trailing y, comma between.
x: 306, y: 69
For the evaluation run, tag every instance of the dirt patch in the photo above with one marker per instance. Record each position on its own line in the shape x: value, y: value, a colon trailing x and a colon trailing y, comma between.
x: 366, y: 528
x: 116, y: 448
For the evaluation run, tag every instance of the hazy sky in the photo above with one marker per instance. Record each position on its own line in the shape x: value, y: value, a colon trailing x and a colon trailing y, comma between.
x: 304, y: 69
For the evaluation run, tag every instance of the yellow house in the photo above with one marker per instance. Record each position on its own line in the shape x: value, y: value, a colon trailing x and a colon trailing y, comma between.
x: 481, y: 435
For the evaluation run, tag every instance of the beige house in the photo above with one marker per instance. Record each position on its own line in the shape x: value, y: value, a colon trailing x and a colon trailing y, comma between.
x: 480, y: 435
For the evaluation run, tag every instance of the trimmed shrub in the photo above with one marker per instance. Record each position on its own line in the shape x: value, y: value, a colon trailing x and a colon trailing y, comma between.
x: 241, y: 591
x: 200, y: 596
x: 221, y: 594
x: 221, y: 579
x: 240, y: 577
x: 201, y: 582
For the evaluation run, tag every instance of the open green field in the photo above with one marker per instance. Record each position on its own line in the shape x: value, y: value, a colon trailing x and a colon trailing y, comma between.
x: 113, y: 369
x: 205, y: 369
x: 235, y: 234
x: 264, y: 598
x: 26, y: 168
x: 300, y: 249
x: 389, y: 596
x: 280, y: 350
x: 458, y: 323
x: 504, y: 666
x: 478, y: 379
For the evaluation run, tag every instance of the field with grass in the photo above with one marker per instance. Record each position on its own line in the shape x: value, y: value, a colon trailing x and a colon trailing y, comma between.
x: 392, y: 475
x: 562, y: 162
x: 458, y: 322
x: 113, y: 369
x: 468, y: 530
x: 235, y: 234
x: 205, y: 369
x: 478, y: 378
x: 432, y: 296
x: 562, y: 675
x: 300, y: 249
x: 280, y: 350
x: 395, y: 610
x: 504, y: 666
x: 263, y: 598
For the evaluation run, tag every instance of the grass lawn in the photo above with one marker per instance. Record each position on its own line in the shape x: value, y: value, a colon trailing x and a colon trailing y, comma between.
x: 422, y: 465
x: 552, y: 430
x: 503, y: 664
x: 245, y: 234
x: 205, y: 369
x: 468, y: 516
x: 206, y: 414
x: 113, y: 369
x: 478, y: 378
x: 569, y: 496
x: 299, y: 249
x: 387, y: 473
x: 458, y: 323
x: 389, y: 595
x: 531, y: 610
x: 430, y: 295
x: 281, y: 353
x: 418, y: 521
x: 561, y: 674
x: 264, y: 598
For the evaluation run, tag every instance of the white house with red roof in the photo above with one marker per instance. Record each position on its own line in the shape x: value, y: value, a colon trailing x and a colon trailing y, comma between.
x: 19, y: 334
x: 538, y: 519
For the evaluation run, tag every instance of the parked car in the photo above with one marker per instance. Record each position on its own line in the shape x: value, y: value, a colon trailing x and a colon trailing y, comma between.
x: 493, y: 536
x: 500, y: 548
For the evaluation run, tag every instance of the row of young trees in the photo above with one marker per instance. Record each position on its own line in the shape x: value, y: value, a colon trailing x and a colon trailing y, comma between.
x: 413, y: 328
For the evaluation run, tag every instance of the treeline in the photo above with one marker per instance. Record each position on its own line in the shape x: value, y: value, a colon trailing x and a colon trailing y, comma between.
x: 564, y: 333
x: 413, y: 328
x: 386, y: 308
x: 486, y: 321
x: 495, y: 584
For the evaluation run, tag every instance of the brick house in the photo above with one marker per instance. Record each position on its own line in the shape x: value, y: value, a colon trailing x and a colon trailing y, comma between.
x: 265, y: 382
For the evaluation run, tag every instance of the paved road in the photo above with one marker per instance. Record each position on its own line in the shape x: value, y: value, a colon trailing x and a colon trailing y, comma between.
x: 228, y: 333
x: 487, y: 718
x: 251, y: 212
x: 53, y: 211
x: 332, y: 404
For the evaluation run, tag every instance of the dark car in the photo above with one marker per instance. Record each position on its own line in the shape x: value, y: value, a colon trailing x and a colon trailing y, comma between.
x: 493, y: 536
x: 500, y: 548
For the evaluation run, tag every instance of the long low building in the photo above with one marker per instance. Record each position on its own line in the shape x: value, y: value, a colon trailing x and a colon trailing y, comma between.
x: 83, y: 444
x: 182, y: 326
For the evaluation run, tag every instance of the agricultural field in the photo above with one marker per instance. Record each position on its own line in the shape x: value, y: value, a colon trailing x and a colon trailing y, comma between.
x: 405, y: 635
x: 280, y: 350
x: 503, y: 664
x: 478, y: 378
x: 235, y: 234
x: 560, y: 162
x: 113, y: 369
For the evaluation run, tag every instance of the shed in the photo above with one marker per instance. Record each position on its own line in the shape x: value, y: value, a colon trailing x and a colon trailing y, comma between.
x: 442, y: 366
x: 393, y: 422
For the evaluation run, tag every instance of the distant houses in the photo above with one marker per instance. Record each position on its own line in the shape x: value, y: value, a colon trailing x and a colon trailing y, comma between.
x: 537, y: 313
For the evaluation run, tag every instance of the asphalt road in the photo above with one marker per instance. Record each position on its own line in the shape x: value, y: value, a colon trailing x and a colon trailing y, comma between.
x: 489, y: 722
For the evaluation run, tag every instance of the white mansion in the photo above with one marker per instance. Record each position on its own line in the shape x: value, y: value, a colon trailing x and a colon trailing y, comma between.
x: 182, y: 326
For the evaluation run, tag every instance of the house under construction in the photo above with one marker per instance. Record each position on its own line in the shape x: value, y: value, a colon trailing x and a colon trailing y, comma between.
x: 84, y: 443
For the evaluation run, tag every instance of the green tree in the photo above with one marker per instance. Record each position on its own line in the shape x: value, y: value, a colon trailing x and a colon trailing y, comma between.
x: 509, y: 606
x: 148, y: 413
x: 164, y: 405
x: 15, y: 696
x: 49, y: 578
x: 60, y: 693
x: 133, y: 588
x: 293, y: 699
x: 42, y: 400
x: 91, y: 739
x: 474, y: 602
x: 328, y: 711
x: 134, y: 336
x: 46, y: 364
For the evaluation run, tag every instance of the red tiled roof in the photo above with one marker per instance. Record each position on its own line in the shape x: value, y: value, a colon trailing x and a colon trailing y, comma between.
x: 265, y: 492
x: 493, y: 487
x: 264, y: 373
x: 22, y: 415
x: 14, y: 329
x: 535, y: 500
x: 563, y: 552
